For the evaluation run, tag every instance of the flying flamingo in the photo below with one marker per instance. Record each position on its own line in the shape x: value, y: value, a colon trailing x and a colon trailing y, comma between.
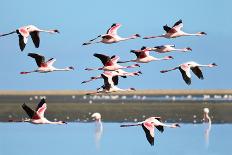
x: 110, y: 63
x: 118, y: 72
x: 37, y: 115
x: 149, y: 126
x: 111, y: 36
x: 98, y: 127
x: 185, y: 70
x: 25, y: 31
x: 175, y: 31
x: 110, y: 85
x: 45, y: 67
x: 169, y: 48
x: 143, y: 56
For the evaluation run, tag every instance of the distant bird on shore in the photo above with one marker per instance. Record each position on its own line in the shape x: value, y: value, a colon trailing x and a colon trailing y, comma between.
x: 149, y: 126
x: 168, y: 48
x: 111, y: 36
x: 143, y: 56
x: 118, y: 72
x: 185, y: 70
x: 37, y: 115
x: 110, y: 63
x: 175, y: 31
x: 25, y: 31
x: 98, y: 127
x: 45, y: 67
x: 110, y: 85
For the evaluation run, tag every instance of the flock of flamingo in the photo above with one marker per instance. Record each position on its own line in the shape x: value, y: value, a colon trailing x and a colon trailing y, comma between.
x: 112, y: 70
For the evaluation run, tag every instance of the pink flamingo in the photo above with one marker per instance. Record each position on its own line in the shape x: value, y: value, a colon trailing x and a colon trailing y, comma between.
x: 175, y: 31
x: 110, y: 63
x: 143, y: 56
x: 149, y: 125
x: 111, y: 36
x: 98, y: 128
x: 118, y: 72
x: 110, y: 85
x: 185, y: 70
x: 45, y: 67
x: 169, y: 48
x: 37, y: 115
x: 25, y: 31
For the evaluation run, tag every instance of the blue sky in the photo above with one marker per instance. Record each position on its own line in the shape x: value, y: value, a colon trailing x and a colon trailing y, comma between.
x: 79, y: 21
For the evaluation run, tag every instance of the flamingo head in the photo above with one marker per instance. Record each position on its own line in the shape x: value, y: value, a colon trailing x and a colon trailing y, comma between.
x: 137, y: 65
x: 206, y: 110
x: 71, y: 68
x: 132, y: 89
x: 96, y: 116
x: 168, y: 57
x: 213, y: 65
x: 177, y: 125
x: 56, y: 31
x: 188, y: 49
x: 202, y: 33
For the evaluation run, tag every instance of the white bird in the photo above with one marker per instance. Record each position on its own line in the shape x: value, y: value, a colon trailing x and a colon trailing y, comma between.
x: 110, y: 85
x: 175, y: 31
x: 37, y: 115
x: 185, y: 70
x: 169, y: 48
x: 111, y: 36
x: 149, y: 126
x: 45, y: 66
x: 29, y: 30
x: 110, y: 63
x: 98, y: 127
x: 143, y: 56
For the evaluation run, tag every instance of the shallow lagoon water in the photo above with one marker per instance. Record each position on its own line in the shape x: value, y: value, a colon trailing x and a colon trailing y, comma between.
x: 79, y: 139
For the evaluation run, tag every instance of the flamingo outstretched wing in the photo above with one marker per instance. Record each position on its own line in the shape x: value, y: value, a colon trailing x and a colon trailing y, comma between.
x: 178, y: 25
x: 35, y: 38
x: 149, y: 131
x: 113, y: 29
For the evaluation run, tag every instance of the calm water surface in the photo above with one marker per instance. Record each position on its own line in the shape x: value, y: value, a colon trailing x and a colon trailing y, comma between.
x: 82, y: 139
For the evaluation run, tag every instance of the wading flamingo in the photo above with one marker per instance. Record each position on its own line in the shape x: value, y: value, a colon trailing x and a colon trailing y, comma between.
x: 149, y: 126
x: 45, y: 67
x: 207, y: 120
x: 111, y: 36
x: 37, y: 115
x: 175, y: 31
x: 25, y: 31
x: 185, y: 70
x: 110, y: 63
x: 98, y: 128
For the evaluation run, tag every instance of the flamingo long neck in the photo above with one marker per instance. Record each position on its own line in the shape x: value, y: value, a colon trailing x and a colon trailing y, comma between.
x: 131, y: 66
x: 180, y: 49
x: 7, y: 33
x: 191, y: 34
x: 89, y: 69
x: 168, y: 70
x: 48, y: 31
x: 62, y: 69
x: 128, y: 38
